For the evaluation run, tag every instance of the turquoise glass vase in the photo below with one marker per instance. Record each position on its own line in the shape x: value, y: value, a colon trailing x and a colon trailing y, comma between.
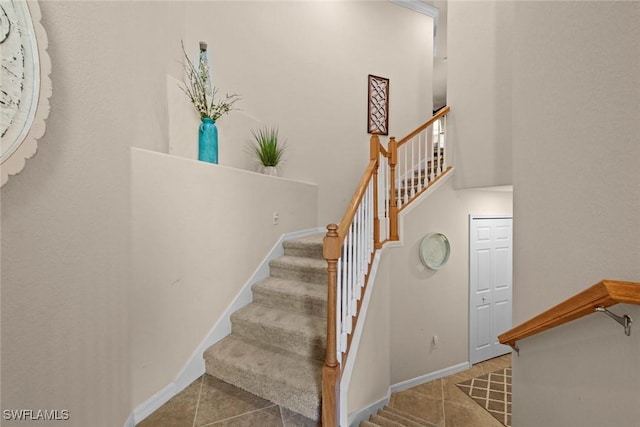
x: 208, y: 141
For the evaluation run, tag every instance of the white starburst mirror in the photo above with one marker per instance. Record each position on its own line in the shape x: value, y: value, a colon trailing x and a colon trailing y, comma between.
x: 26, y: 86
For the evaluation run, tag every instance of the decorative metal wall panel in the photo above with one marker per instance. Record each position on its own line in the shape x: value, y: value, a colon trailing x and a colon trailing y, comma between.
x: 378, y: 106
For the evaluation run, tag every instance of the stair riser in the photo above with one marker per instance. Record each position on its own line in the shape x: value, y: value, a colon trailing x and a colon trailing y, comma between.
x: 385, y: 422
x: 297, y: 400
x: 308, y: 306
x: 294, y: 341
x: 406, y: 422
x: 408, y: 416
x: 311, y: 275
x: 306, y: 251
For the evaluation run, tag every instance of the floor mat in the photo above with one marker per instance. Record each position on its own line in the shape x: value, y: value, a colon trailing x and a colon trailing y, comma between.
x: 493, y: 392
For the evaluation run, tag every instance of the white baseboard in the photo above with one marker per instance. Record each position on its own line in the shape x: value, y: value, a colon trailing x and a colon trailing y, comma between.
x: 357, y: 417
x: 194, y: 367
x: 404, y: 385
x: 130, y: 421
x: 147, y: 407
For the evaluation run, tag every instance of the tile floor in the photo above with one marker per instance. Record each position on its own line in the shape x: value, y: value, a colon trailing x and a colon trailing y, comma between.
x: 211, y: 402
x: 443, y: 404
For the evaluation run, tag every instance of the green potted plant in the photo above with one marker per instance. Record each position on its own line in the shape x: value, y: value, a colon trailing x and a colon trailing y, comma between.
x: 268, y: 149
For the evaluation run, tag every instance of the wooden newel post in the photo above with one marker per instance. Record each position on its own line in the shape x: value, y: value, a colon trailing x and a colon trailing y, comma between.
x: 375, y: 155
x: 393, y: 198
x: 331, y: 368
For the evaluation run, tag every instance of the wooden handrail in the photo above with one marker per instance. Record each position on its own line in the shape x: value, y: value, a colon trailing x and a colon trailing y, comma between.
x: 384, y: 151
x: 442, y: 112
x: 345, y: 222
x: 603, y: 294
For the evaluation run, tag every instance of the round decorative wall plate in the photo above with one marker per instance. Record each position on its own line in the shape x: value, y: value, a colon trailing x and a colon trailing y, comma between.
x: 434, y: 250
x: 26, y: 86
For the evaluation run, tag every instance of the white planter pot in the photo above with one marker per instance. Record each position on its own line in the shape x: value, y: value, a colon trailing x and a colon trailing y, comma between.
x: 270, y: 170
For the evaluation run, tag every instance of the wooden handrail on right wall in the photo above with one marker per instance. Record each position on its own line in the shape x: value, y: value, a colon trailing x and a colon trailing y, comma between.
x: 603, y: 294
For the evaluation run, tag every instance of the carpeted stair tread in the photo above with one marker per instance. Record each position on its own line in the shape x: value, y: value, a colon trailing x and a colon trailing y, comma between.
x: 309, y: 246
x: 385, y: 422
x: 282, y: 377
x: 278, y: 341
x: 297, y: 268
x: 403, y: 420
x: 368, y: 424
x: 409, y: 416
x: 288, y: 330
x: 302, y: 297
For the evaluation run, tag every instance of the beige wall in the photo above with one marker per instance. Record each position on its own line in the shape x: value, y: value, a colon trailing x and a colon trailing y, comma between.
x: 577, y: 195
x: 66, y: 297
x: 303, y: 66
x: 440, y: 58
x: 199, y: 232
x: 479, y: 75
x: 428, y: 302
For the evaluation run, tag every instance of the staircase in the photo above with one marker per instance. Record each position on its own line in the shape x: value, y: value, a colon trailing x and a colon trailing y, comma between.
x: 277, y: 343
x: 391, y: 417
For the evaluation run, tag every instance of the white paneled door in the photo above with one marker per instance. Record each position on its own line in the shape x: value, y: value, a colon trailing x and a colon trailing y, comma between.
x: 490, y: 285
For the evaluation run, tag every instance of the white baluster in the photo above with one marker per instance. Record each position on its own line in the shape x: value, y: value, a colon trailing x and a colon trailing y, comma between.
x: 339, y: 314
x: 385, y: 199
x: 339, y: 308
x: 443, y: 132
x: 380, y: 207
x: 367, y: 220
x: 399, y: 199
x: 434, y: 160
x: 358, y: 248
x: 420, y: 180
x: 426, y: 158
x: 363, y: 245
x: 388, y: 198
x: 436, y: 144
x: 358, y: 220
x: 406, y: 169
x: 369, y: 234
x: 413, y: 165
x: 345, y: 304
x: 425, y: 168
x: 372, y: 242
x: 365, y: 237
x: 351, y: 275
x: 363, y: 240
x: 354, y: 271
x: 425, y: 137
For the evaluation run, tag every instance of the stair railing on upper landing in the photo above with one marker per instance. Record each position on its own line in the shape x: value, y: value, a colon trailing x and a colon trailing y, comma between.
x: 394, y: 177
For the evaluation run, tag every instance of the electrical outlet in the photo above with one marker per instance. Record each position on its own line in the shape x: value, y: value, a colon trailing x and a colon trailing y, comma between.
x: 276, y: 218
